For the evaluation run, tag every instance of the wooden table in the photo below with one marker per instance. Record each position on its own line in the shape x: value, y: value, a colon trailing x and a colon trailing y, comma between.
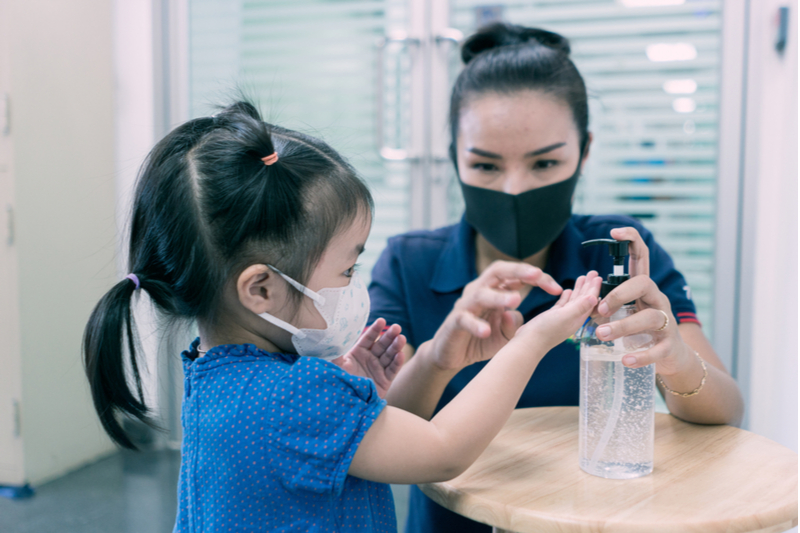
x: 706, y: 479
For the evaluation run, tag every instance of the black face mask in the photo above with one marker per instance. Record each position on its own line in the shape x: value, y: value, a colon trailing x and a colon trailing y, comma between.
x: 521, y: 224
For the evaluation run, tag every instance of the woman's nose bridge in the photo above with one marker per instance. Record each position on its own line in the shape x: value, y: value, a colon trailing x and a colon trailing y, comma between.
x: 516, y: 181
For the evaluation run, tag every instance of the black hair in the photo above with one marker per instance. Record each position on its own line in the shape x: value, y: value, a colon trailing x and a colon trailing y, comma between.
x: 205, y: 208
x: 505, y: 58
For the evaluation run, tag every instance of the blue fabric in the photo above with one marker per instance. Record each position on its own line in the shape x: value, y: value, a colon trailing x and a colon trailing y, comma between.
x: 421, y: 274
x: 267, y: 442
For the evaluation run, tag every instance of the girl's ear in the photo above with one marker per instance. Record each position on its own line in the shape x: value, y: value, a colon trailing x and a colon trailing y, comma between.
x: 258, y: 287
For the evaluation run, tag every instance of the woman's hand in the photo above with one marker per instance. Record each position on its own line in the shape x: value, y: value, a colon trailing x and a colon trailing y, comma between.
x: 376, y: 356
x: 557, y: 324
x: 484, y: 319
x: 670, y: 353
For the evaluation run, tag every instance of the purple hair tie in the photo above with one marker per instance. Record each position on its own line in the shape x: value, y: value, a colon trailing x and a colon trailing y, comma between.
x: 135, y: 279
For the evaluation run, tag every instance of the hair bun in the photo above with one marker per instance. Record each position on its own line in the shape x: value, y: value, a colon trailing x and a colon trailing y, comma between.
x: 499, y: 34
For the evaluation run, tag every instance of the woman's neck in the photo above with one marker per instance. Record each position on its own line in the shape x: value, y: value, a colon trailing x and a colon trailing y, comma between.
x: 486, y: 254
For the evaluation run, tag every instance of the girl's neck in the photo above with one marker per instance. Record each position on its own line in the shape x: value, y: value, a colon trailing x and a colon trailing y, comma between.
x: 215, y: 336
x: 486, y: 254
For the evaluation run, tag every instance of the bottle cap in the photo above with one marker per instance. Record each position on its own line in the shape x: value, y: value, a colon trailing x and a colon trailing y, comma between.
x: 619, y: 251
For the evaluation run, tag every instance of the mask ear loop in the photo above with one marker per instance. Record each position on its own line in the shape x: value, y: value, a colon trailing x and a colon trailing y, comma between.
x: 300, y: 287
x: 283, y: 325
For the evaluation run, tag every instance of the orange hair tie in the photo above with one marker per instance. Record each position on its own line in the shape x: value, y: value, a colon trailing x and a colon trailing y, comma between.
x: 270, y: 159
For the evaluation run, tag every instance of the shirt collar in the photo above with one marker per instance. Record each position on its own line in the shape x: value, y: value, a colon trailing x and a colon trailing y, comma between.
x: 456, y: 265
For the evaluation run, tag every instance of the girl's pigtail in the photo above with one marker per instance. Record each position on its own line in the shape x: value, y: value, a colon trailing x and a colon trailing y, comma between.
x: 109, y: 333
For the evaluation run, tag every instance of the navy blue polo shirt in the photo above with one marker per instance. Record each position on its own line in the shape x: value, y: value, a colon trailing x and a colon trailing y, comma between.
x: 420, y: 275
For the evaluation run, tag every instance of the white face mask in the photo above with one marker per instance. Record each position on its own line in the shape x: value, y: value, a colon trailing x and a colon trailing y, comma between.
x: 345, y: 310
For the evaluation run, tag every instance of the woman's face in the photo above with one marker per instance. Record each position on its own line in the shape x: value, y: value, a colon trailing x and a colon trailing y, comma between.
x: 516, y: 142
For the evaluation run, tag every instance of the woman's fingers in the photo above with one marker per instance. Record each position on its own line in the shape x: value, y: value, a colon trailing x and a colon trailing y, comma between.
x: 510, y: 321
x: 644, y: 320
x: 647, y: 357
x: 472, y: 324
x: 639, y: 262
x: 639, y: 288
x: 513, y: 275
x: 488, y: 298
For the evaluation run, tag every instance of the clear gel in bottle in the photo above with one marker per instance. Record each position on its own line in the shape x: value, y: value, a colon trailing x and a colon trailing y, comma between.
x: 617, y: 404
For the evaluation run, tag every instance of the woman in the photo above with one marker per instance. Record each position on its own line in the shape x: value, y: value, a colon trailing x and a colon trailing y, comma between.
x: 519, y: 126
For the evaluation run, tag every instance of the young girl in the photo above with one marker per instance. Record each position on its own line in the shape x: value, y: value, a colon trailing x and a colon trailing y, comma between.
x: 254, y: 232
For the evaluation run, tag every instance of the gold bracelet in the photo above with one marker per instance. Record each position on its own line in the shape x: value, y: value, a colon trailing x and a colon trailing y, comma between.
x: 695, y: 391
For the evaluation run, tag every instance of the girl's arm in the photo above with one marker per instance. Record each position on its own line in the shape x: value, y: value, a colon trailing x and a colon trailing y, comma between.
x: 401, y: 447
x: 479, y: 325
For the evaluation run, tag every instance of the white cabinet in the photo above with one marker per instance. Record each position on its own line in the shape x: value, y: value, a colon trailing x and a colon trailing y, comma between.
x: 57, y: 229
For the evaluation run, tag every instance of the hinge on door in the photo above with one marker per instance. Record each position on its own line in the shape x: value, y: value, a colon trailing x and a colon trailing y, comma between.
x: 10, y: 226
x: 17, y: 419
x: 5, y: 115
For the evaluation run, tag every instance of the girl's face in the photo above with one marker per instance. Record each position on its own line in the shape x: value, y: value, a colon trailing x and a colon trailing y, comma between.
x: 335, y: 268
x: 516, y: 142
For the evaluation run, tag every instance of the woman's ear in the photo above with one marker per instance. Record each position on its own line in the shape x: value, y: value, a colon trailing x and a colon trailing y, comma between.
x: 586, y: 149
x: 257, y: 288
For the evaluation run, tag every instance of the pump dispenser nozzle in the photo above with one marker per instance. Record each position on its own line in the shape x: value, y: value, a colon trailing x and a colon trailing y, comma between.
x: 619, y: 250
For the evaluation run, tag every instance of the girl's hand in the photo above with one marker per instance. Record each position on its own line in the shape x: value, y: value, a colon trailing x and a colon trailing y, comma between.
x: 558, y: 323
x: 375, y: 356
x: 484, y: 319
x: 670, y: 353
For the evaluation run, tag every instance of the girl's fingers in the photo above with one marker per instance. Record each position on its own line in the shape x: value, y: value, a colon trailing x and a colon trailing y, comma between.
x: 565, y: 297
x: 394, y: 367
x: 387, y: 356
x: 371, y: 334
x: 386, y: 340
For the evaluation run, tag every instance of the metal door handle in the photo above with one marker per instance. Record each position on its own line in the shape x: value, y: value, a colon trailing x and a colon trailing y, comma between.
x: 450, y: 35
x: 387, y: 152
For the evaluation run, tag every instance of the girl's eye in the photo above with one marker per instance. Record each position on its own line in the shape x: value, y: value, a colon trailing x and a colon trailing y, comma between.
x: 484, y: 167
x: 350, y: 271
x: 544, y: 164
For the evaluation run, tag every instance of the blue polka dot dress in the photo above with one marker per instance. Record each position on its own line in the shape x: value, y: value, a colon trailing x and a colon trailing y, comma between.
x: 267, y: 442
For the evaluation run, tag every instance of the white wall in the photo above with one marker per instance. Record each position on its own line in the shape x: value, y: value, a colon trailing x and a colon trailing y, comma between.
x: 62, y: 130
x: 768, y: 336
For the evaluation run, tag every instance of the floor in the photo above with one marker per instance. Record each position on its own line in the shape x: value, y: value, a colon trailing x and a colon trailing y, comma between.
x: 125, y: 493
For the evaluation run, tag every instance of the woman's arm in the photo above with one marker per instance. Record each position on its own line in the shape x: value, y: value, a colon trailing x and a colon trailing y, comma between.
x: 403, y: 448
x: 481, y: 323
x: 719, y: 401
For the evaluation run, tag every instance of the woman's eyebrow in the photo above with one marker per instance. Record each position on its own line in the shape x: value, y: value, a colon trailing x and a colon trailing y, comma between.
x: 484, y: 153
x: 544, y: 150
x: 492, y: 155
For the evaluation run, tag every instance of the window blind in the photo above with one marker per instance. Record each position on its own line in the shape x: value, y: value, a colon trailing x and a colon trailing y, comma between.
x: 311, y: 66
x: 652, y: 73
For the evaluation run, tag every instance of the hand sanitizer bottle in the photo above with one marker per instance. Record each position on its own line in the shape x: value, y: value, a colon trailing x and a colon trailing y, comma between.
x: 616, y: 425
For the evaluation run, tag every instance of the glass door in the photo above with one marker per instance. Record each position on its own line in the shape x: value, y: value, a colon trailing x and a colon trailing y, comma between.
x: 372, y: 77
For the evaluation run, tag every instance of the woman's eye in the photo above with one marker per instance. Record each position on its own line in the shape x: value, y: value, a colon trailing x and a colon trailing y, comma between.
x: 545, y: 163
x: 484, y: 167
